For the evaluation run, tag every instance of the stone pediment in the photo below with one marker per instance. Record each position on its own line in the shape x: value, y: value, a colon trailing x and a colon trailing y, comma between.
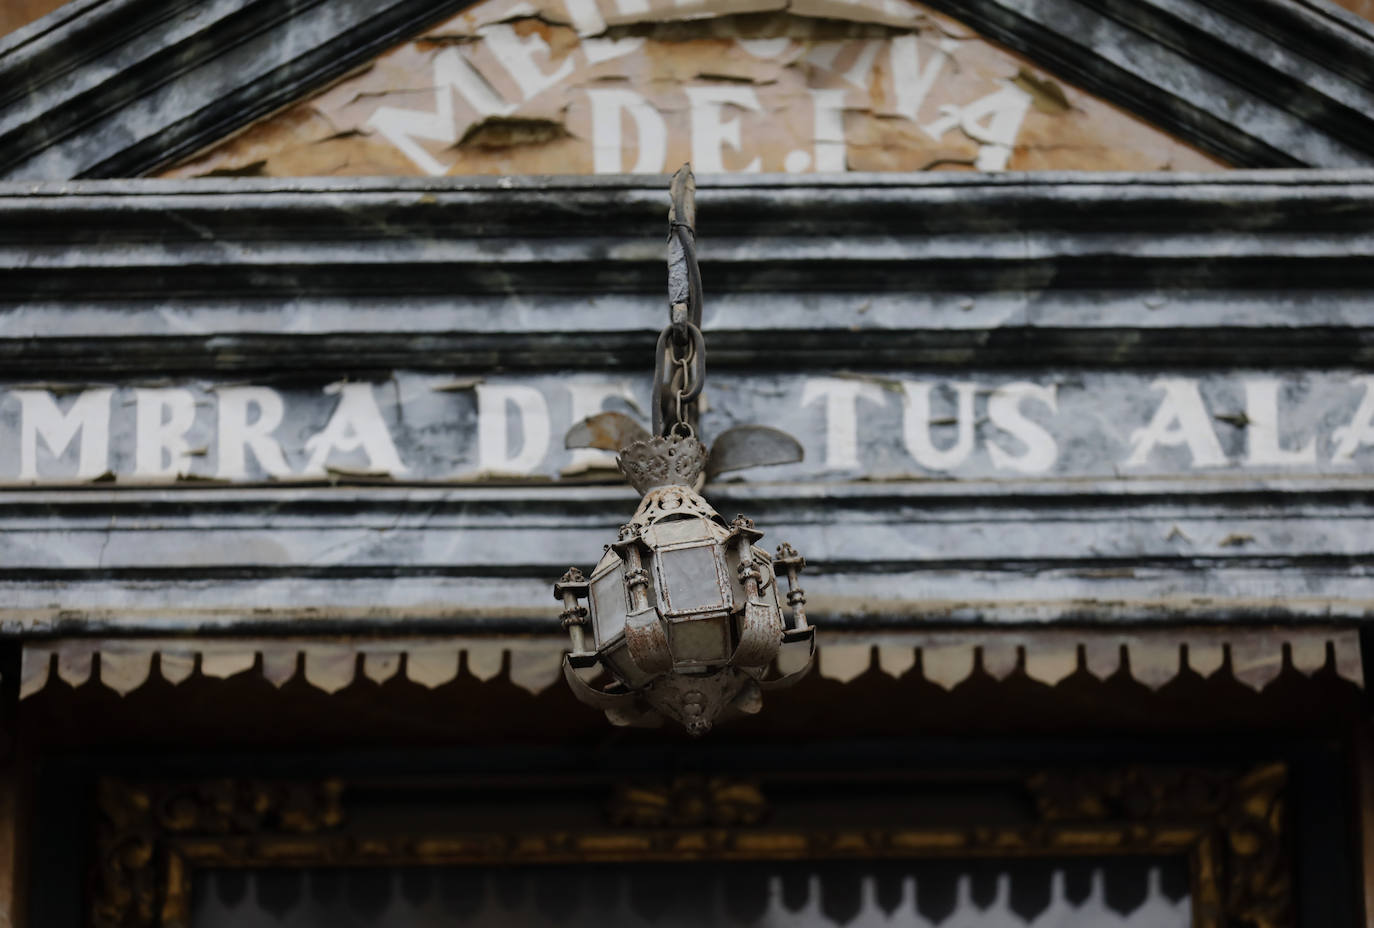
x: 604, y: 86
x: 577, y: 87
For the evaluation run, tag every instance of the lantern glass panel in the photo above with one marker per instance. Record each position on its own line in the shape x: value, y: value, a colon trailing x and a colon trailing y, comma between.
x: 689, y: 580
x: 623, y: 666
x: 609, y: 606
x: 700, y: 641
x: 676, y: 532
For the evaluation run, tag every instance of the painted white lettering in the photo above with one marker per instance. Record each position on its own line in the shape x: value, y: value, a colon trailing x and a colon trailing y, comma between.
x: 588, y: 22
x: 766, y: 49
x: 586, y: 17
x: 992, y: 121
x: 1262, y: 430
x: 828, y: 129
x: 916, y: 426
x: 711, y: 133
x: 162, y: 418
x: 841, y: 415
x: 492, y: 426
x: 402, y: 127
x: 897, y: 9
x: 1360, y: 431
x: 518, y: 56
x: 630, y: 10
x: 824, y: 54
x: 1181, y: 419
x: 863, y: 63
x: 40, y: 417
x: 356, y: 423
x: 237, y: 435
x: 651, y: 133
x: 588, y: 399
x: 599, y: 50
x: 911, y: 83
x: 1004, y: 410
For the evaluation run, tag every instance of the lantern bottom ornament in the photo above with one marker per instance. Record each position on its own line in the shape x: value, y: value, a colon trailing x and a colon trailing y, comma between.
x: 683, y: 609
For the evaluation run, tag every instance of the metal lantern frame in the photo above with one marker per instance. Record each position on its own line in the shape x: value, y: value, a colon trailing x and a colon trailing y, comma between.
x: 683, y: 610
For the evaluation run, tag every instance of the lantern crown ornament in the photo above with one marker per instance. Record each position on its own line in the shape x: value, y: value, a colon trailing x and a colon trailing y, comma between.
x: 683, y: 618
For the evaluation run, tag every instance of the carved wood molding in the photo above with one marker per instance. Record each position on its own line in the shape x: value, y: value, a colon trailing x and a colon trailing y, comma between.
x: 1229, y: 825
x: 687, y: 801
x: 142, y: 877
x: 1241, y: 869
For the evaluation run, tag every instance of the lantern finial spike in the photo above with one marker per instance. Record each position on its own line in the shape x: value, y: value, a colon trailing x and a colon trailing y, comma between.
x: 571, y: 587
x: 789, y: 561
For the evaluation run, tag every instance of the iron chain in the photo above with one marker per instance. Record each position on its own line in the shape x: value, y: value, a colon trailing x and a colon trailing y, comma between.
x: 679, y: 376
x: 680, y: 363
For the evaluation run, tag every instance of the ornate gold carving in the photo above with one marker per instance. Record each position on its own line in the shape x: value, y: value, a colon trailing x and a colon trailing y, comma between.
x: 688, y: 801
x: 142, y: 878
x: 1242, y: 873
x: 1230, y: 826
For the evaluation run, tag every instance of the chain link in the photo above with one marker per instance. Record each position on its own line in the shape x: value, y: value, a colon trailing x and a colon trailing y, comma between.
x: 680, y: 364
x: 679, y: 377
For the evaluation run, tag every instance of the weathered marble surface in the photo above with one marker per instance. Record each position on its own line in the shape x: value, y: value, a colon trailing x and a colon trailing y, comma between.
x: 879, y: 554
x: 124, y: 88
x: 863, y: 271
x: 1094, y: 283
x: 1031, y: 424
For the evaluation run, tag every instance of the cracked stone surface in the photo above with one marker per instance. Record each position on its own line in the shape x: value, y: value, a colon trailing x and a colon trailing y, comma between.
x: 611, y: 86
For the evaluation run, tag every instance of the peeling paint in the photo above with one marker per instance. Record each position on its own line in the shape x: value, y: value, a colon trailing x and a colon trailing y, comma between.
x: 1046, y: 95
x: 502, y: 132
x: 730, y: 85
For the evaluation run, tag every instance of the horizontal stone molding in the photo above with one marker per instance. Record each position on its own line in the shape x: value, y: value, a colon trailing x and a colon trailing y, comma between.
x: 145, y: 278
x: 977, y: 553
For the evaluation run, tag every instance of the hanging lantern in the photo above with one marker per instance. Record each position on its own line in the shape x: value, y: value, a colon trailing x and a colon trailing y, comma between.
x: 683, y: 611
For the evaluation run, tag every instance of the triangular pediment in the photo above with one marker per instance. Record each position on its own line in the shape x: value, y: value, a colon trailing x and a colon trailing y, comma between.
x: 601, y: 86
x: 582, y: 87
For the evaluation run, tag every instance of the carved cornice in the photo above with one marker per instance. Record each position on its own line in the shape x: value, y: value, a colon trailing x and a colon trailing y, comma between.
x: 117, y: 88
x: 1182, y: 64
x: 1187, y: 248
x: 121, y: 87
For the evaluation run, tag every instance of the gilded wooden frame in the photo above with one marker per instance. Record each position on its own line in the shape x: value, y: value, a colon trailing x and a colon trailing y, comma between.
x: 1229, y: 827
